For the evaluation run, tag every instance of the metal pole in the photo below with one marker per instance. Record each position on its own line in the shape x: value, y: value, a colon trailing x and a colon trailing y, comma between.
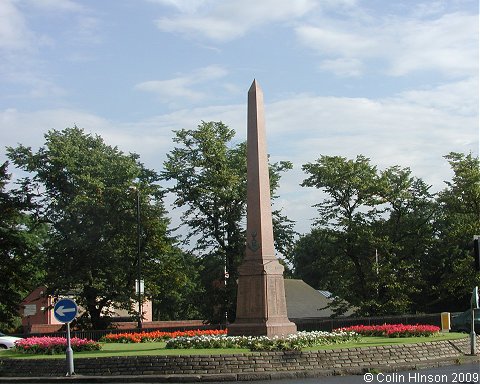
x: 226, y: 291
x: 473, y: 339
x: 69, y: 353
x: 139, y: 262
x: 376, y: 263
x: 473, y: 305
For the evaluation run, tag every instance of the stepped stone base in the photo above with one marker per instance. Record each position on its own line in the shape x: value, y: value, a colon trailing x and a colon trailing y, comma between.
x: 261, y: 304
x: 267, y: 328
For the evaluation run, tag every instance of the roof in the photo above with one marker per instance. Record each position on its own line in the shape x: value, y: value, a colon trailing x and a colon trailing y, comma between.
x: 303, y: 301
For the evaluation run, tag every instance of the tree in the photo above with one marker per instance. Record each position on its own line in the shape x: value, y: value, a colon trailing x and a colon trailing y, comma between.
x: 403, y: 235
x: 353, y: 192
x: 450, y: 263
x: 20, y: 249
x: 373, y: 231
x: 209, y: 175
x: 178, y: 281
x: 316, y: 261
x: 89, y: 200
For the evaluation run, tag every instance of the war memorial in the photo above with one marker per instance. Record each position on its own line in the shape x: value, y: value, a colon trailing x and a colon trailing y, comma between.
x: 261, y: 311
x: 261, y: 306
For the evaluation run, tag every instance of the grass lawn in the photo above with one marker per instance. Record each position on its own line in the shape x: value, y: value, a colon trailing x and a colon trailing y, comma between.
x: 141, y: 349
x: 130, y: 349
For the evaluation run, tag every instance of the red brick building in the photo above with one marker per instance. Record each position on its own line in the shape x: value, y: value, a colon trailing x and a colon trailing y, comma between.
x: 37, y: 313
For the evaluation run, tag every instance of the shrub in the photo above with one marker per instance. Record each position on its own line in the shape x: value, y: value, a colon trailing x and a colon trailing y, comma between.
x: 54, y: 345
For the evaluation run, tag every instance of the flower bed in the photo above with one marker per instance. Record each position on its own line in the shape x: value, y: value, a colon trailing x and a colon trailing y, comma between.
x: 54, y: 345
x: 394, y: 330
x: 262, y: 343
x: 144, y: 337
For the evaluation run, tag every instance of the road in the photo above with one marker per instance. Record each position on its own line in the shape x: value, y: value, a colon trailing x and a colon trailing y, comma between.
x: 466, y: 373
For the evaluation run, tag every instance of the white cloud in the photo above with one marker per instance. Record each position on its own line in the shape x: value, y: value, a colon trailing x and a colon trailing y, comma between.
x: 408, y: 127
x: 188, y: 6
x: 425, y: 38
x: 211, y: 27
x: 343, y: 67
x: 58, y: 6
x: 229, y: 19
x: 151, y: 138
x: 84, y: 26
x: 14, y: 33
x: 389, y: 132
x: 28, y: 128
x: 335, y: 42
x: 412, y: 129
x: 17, y: 34
x: 25, y: 48
x: 459, y: 98
x: 87, y: 30
x: 182, y: 88
x: 448, y: 43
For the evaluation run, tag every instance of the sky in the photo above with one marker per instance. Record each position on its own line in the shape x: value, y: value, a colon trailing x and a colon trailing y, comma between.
x: 395, y: 81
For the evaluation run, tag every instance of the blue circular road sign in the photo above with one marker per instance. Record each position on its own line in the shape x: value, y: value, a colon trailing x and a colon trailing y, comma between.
x: 65, y: 310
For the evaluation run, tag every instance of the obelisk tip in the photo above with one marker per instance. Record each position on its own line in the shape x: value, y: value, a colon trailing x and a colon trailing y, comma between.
x: 254, y: 86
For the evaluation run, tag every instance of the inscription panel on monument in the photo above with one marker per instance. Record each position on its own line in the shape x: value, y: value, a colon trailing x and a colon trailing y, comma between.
x: 276, y: 302
x: 253, y: 302
x: 272, y: 304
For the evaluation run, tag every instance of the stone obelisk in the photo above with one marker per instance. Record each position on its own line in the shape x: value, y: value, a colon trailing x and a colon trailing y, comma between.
x: 261, y: 305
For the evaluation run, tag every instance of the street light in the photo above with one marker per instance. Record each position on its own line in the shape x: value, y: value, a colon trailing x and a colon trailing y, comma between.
x: 139, y: 261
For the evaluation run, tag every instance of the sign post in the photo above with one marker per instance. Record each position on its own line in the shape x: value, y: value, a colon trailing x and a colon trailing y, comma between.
x: 65, y: 311
x: 474, y: 305
x: 476, y: 252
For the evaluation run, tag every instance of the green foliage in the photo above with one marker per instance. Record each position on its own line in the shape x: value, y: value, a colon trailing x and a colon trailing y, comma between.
x: 353, y: 195
x: 384, y: 243
x: 177, y: 287
x: 449, y: 267
x: 350, y: 186
x: 209, y: 175
x: 89, y: 201
x: 20, y: 249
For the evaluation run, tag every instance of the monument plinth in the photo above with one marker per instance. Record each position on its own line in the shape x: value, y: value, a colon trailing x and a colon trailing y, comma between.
x: 261, y: 305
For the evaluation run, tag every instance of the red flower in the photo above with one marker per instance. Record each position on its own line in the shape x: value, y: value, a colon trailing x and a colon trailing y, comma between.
x: 394, y: 330
x: 156, y: 336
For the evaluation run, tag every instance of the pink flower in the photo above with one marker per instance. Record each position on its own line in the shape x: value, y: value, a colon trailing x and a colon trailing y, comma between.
x: 52, y: 345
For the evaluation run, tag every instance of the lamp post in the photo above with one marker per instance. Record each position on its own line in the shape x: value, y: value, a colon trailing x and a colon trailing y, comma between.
x: 474, y: 304
x: 226, y: 275
x: 139, y: 261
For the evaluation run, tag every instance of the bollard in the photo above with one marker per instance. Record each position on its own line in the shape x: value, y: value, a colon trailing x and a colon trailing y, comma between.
x: 445, y: 320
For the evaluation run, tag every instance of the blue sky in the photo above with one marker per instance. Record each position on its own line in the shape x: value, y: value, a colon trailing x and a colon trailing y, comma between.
x: 396, y: 81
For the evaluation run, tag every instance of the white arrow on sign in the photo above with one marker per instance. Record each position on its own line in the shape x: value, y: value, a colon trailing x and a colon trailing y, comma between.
x: 61, y: 311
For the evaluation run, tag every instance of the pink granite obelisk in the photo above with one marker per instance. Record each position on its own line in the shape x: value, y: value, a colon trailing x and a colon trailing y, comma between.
x: 261, y: 305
